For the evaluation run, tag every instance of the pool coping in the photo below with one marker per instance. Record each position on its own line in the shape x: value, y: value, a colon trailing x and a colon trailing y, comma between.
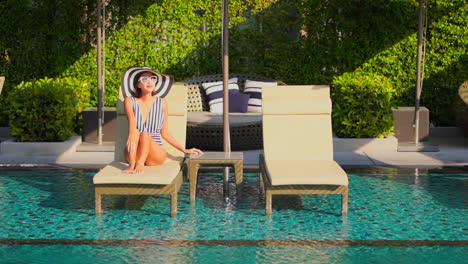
x: 453, y: 152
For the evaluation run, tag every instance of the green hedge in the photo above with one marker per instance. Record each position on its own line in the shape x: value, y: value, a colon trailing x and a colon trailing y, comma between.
x: 45, y: 110
x: 299, y: 42
x: 362, y: 105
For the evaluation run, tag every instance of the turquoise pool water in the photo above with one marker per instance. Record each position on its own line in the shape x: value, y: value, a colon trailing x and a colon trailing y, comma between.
x: 395, y: 216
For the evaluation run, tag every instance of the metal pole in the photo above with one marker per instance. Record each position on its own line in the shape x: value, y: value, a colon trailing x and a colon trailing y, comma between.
x: 103, y: 71
x: 225, y: 60
x: 418, y: 72
x: 99, y: 69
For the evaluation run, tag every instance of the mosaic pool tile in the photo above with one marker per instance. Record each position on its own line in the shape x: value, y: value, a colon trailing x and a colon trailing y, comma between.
x: 40, y: 254
x: 382, y: 206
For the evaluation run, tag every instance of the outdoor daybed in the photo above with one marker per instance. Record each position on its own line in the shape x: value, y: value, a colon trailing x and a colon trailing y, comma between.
x: 205, y: 129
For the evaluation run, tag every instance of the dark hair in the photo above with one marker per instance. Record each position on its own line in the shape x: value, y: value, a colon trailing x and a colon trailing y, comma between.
x: 137, y: 92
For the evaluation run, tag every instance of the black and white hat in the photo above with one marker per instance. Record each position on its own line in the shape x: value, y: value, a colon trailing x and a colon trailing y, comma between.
x: 130, y: 77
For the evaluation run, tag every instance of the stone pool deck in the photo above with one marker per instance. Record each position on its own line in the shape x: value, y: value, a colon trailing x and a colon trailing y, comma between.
x: 453, y: 151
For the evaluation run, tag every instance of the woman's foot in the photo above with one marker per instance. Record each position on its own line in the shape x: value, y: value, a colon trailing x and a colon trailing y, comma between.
x: 130, y: 169
x: 139, y: 168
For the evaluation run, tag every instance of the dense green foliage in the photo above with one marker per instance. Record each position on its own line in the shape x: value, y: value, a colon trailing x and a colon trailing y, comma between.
x: 299, y: 42
x: 362, y: 105
x: 43, y: 111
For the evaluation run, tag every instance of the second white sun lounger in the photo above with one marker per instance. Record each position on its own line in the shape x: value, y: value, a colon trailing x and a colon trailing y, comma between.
x: 298, y: 146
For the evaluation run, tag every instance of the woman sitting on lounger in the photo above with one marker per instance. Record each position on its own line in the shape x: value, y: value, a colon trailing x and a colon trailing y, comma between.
x: 147, y: 111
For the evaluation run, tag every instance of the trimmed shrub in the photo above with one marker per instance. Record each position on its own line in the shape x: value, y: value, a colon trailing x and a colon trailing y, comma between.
x: 81, y: 89
x: 362, y: 105
x: 298, y: 42
x: 42, y: 111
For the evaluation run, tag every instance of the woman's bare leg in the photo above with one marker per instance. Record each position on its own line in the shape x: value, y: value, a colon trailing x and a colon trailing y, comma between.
x: 148, y: 153
x: 156, y: 156
x: 142, y: 151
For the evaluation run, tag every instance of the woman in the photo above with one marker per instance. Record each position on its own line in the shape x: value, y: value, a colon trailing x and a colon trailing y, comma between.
x: 147, y: 118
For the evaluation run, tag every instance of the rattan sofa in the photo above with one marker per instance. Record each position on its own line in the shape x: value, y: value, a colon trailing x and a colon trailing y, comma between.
x: 205, y: 130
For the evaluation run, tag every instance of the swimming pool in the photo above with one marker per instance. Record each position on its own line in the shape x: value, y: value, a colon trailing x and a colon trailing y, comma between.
x: 395, y: 216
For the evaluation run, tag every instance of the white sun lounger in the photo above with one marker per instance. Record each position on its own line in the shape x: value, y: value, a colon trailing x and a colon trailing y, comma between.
x: 164, y: 179
x: 298, y: 146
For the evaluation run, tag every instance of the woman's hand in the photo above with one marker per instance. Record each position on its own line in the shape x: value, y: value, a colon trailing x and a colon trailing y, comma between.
x: 132, y: 142
x: 131, y: 146
x: 194, y: 152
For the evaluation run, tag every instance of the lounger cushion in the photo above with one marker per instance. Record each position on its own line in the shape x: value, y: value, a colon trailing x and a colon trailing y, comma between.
x: 298, y: 106
x: 304, y: 172
x: 300, y: 100
x: 160, y: 175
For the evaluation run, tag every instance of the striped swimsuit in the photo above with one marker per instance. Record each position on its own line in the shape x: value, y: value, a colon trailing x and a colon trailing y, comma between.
x: 154, y: 122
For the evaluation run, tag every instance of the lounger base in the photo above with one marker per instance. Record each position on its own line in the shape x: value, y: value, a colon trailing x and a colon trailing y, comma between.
x: 270, y: 190
x: 139, y: 189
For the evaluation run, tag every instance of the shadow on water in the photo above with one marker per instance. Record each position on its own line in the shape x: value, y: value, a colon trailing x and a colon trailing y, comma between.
x: 315, y: 203
x: 64, y: 190
x: 248, y: 198
x: 210, y: 192
x: 68, y: 191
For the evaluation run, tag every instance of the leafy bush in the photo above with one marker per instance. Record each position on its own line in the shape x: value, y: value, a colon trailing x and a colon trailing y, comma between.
x: 362, y: 105
x: 81, y: 89
x: 298, y: 42
x: 43, y: 111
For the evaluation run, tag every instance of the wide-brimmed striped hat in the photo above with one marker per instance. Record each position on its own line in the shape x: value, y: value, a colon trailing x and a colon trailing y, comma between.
x: 130, y: 78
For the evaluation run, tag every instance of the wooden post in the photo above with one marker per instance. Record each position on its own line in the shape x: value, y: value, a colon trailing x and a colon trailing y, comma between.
x: 225, y: 60
x: 100, y: 71
x: 418, y: 71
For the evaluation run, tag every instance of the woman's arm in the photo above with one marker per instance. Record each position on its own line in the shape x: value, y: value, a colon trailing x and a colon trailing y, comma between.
x: 133, y: 133
x: 166, y: 134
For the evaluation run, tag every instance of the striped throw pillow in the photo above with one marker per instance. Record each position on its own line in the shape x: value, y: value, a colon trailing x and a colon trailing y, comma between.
x: 254, y: 89
x: 214, y: 93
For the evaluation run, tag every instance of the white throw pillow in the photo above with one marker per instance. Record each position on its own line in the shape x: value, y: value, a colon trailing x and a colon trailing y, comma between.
x: 214, y: 93
x: 254, y: 89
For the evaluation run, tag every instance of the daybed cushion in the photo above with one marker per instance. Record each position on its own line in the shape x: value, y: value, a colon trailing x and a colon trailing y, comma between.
x: 214, y: 94
x: 208, y: 118
x: 304, y: 172
x: 254, y: 89
x: 159, y: 175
